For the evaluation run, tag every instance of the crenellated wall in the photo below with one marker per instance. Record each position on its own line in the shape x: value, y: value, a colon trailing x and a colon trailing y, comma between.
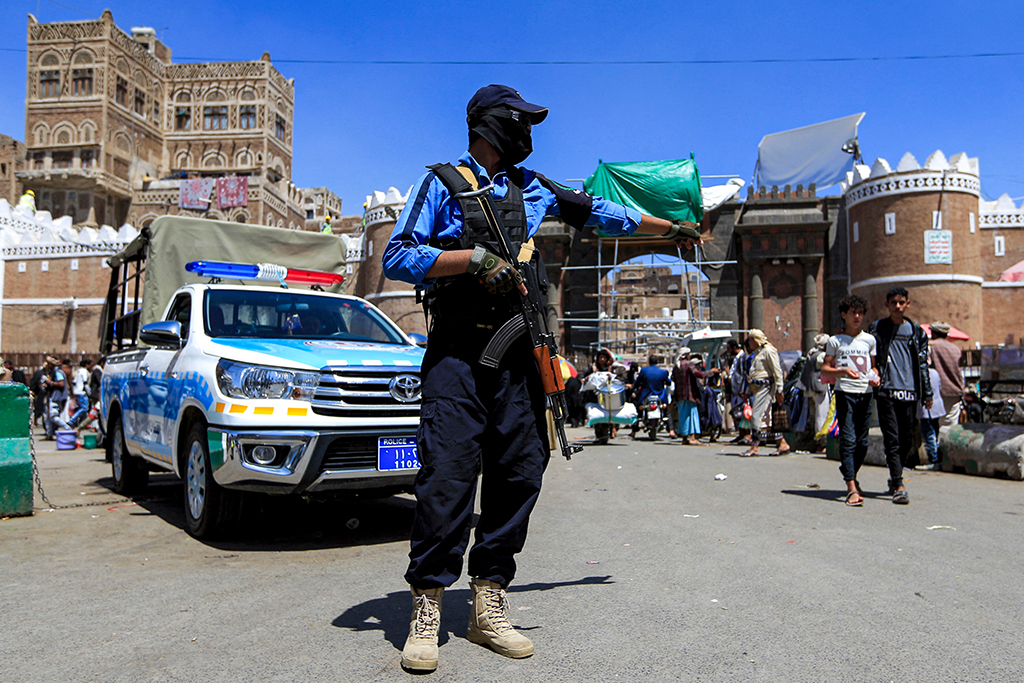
x: 53, y: 280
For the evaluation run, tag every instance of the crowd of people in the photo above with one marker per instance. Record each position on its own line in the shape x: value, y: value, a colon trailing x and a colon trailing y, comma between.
x: 911, y: 378
x: 63, y: 397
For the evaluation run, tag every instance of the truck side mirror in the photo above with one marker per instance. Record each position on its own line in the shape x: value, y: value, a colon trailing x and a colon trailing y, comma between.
x: 163, y: 333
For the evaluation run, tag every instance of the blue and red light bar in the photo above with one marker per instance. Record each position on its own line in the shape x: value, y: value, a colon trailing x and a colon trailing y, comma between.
x: 263, y: 271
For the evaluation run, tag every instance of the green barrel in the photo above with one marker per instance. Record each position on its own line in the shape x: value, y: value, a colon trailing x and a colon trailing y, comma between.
x: 15, y: 451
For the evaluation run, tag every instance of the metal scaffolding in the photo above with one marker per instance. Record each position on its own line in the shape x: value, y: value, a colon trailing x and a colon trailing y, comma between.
x: 647, y: 331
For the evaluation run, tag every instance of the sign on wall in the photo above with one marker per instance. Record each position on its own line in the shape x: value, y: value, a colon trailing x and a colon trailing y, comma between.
x: 938, y: 246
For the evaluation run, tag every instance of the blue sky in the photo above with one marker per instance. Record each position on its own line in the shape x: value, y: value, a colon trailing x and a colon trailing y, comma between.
x: 361, y: 127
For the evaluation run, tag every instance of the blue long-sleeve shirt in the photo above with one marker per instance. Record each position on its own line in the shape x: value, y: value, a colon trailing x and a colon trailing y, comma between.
x: 431, y: 212
x: 651, y: 380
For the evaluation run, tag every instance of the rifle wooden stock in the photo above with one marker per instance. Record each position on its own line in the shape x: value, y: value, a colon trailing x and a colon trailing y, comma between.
x: 550, y: 373
x: 525, y: 320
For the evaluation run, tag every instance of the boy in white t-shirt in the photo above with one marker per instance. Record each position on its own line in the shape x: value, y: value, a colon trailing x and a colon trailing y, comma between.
x: 850, y: 359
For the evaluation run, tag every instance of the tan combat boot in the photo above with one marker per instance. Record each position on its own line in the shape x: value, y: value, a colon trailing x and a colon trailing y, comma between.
x: 489, y: 624
x: 420, y: 651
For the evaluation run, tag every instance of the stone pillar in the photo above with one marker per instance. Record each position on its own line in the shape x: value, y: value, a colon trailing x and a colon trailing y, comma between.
x: 811, y: 324
x: 756, y: 318
x: 553, y: 309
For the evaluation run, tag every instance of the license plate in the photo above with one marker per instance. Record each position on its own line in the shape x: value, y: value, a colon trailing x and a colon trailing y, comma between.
x: 397, y: 453
x: 655, y: 414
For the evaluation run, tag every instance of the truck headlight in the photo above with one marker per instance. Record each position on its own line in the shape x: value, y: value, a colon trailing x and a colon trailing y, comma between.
x: 238, y: 380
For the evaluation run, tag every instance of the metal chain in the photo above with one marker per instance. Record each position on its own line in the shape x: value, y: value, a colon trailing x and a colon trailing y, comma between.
x: 39, y: 481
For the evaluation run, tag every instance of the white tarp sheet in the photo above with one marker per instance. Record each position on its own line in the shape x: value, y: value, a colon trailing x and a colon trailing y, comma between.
x: 812, y: 154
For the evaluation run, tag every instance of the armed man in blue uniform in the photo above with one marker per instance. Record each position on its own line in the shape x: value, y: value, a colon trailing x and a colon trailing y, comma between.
x: 477, y: 419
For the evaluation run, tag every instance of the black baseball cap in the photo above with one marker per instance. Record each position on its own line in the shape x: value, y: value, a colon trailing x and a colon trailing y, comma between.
x: 491, y: 96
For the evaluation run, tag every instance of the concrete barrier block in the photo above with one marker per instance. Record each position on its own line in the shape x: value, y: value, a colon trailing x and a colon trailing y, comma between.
x: 989, y: 450
x: 15, y: 451
x: 876, y: 449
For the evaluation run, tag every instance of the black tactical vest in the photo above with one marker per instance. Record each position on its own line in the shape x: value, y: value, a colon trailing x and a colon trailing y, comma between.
x: 474, y: 226
x: 463, y: 298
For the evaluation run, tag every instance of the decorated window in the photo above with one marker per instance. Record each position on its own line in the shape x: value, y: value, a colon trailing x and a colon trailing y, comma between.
x: 183, y: 118
x: 81, y: 82
x: 49, y: 83
x: 247, y: 116
x: 215, y: 118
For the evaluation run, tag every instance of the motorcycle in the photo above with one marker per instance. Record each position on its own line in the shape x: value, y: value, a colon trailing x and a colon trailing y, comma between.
x: 980, y: 408
x: 651, y: 413
x: 609, y: 408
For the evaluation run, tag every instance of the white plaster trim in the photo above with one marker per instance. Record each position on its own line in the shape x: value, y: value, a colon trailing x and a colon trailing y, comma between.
x: 1001, y: 285
x: 896, y: 279
x: 990, y: 221
x: 29, y: 254
x: 96, y: 301
x: 917, y: 181
x: 379, y: 214
x: 390, y: 295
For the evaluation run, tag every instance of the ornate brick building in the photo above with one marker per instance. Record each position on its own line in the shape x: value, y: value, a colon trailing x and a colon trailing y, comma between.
x: 12, y: 160
x: 926, y: 228
x: 317, y: 204
x: 113, y: 127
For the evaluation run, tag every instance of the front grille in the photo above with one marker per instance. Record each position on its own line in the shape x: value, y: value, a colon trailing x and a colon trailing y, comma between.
x: 362, y: 392
x: 351, y: 453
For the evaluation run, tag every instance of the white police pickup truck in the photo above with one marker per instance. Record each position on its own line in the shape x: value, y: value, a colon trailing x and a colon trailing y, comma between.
x: 265, y: 389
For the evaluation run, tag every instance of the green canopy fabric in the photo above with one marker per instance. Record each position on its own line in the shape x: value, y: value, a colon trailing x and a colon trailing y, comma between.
x: 666, y: 189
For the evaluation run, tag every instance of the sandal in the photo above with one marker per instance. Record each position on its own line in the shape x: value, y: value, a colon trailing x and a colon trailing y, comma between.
x: 749, y: 453
x: 901, y: 497
x: 785, y: 452
x: 859, y: 503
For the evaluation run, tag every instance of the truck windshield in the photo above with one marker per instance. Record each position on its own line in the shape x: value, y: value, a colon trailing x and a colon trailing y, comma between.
x: 280, y: 314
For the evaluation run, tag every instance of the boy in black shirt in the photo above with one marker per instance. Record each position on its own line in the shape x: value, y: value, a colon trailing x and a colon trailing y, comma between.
x: 903, y: 365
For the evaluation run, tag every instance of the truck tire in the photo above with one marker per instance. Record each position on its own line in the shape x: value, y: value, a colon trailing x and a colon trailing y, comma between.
x: 211, y: 511
x: 131, y: 475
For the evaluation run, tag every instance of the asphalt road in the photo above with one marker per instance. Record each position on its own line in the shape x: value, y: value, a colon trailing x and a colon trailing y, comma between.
x: 640, y: 566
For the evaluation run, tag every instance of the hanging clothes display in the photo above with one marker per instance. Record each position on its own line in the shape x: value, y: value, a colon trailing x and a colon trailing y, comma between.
x: 232, y: 191
x: 195, y: 193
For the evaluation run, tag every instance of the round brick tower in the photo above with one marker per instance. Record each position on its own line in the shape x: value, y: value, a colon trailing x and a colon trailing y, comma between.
x: 917, y: 227
x: 396, y: 299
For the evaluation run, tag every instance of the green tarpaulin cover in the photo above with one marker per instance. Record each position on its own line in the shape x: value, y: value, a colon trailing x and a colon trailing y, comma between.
x: 666, y: 189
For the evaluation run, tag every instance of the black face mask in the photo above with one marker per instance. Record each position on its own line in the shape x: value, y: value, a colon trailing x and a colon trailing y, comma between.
x: 509, y: 136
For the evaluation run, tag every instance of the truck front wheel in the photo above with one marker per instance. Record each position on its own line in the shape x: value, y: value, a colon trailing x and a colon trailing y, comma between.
x: 210, y: 510
x: 130, y: 473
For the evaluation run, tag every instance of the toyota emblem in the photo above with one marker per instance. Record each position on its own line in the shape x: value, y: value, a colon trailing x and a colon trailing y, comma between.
x: 405, y: 388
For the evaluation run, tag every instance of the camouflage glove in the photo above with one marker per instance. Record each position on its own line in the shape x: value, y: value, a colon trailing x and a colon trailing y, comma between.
x: 683, y: 230
x: 497, y: 274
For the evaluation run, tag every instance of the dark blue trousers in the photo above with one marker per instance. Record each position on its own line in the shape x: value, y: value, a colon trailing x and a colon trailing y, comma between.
x: 853, y: 413
x: 475, y: 421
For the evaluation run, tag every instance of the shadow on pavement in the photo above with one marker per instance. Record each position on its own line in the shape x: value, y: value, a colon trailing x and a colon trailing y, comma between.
x: 288, y: 523
x: 390, y: 613
x: 835, y: 495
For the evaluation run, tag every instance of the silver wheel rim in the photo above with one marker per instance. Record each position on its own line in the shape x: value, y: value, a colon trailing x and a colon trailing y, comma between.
x: 117, y: 455
x: 195, y: 480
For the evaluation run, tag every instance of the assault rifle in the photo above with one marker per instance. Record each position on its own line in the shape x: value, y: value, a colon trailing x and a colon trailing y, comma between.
x: 526, y: 320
